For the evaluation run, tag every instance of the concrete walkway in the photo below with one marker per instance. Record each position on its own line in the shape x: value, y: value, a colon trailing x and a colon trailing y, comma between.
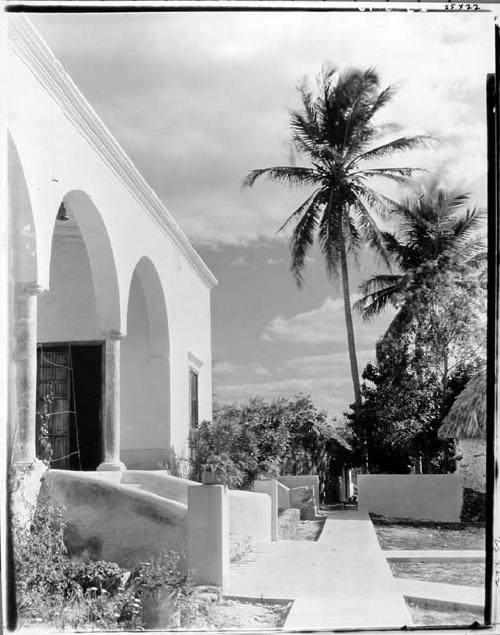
x: 340, y: 581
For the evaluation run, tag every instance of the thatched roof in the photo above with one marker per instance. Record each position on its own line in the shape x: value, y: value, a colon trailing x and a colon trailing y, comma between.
x: 467, y: 416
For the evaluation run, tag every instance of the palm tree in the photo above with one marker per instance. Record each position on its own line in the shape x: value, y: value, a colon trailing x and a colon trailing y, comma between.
x: 433, y: 232
x: 441, y: 258
x: 335, y: 130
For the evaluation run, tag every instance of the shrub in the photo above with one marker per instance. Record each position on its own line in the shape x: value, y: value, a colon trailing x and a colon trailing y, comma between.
x: 287, y: 435
x: 52, y: 589
x: 224, y: 469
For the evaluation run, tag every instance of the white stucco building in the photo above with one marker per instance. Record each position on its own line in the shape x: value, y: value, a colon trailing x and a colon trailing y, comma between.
x: 109, y: 304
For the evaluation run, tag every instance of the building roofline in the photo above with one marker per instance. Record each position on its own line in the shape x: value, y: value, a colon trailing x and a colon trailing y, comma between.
x: 36, y: 54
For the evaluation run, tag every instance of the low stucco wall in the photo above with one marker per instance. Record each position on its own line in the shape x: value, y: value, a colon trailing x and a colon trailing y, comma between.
x: 309, y: 480
x: 250, y: 515
x: 435, y: 497
x: 161, y: 483
x: 110, y: 521
x: 283, y: 496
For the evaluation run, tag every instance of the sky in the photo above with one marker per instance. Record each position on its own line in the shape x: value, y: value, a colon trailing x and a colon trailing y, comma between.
x: 198, y: 99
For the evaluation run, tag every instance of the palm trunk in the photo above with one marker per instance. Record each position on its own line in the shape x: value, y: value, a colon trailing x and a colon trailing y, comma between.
x: 351, y: 345
x: 445, y: 381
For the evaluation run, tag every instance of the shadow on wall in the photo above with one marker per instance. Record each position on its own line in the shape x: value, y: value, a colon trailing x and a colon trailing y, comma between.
x: 112, y: 521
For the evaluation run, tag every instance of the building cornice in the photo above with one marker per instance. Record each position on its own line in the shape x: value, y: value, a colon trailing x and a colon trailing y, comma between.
x: 34, y: 52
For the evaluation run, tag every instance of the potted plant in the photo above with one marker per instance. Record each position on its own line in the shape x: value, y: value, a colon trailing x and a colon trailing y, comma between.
x: 162, y: 588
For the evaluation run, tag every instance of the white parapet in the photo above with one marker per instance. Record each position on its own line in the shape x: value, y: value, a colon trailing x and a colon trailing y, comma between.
x: 208, y: 535
x: 270, y: 487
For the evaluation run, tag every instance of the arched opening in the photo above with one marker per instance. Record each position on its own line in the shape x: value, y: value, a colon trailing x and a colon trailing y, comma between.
x: 22, y: 226
x: 81, y: 300
x: 145, y: 374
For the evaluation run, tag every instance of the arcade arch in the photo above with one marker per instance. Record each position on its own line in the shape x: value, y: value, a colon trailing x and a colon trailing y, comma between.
x: 145, y: 373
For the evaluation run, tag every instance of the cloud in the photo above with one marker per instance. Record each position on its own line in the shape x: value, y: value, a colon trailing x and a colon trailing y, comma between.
x: 260, y: 370
x: 329, y: 364
x: 194, y: 101
x: 312, y: 327
x: 227, y: 369
x: 326, y: 325
x: 328, y: 393
x: 326, y: 378
x: 222, y: 368
x: 241, y: 261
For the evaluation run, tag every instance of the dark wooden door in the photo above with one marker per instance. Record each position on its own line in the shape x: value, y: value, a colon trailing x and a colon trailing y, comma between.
x: 54, y: 414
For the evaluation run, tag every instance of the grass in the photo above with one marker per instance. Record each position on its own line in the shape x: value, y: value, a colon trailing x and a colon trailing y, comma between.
x: 394, y: 534
x: 400, y: 534
x: 461, y: 573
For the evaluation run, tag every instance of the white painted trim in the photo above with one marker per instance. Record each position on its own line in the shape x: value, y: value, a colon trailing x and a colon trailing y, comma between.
x: 195, y: 362
x: 34, y: 52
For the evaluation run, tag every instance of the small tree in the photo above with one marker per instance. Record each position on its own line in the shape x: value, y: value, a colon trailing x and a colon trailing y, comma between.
x: 265, y: 437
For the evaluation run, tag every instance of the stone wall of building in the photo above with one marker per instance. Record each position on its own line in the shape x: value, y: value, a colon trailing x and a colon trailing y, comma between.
x: 471, y: 465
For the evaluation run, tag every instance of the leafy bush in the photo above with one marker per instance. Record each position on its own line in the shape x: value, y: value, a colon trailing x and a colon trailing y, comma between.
x: 266, y: 437
x: 225, y: 468
x: 52, y: 589
x: 163, y: 573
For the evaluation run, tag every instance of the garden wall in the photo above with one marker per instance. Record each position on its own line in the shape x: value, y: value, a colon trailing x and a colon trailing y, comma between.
x: 109, y: 521
x: 434, y: 497
x: 250, y: 515
x: 161, y: 483
x: 283, y: 496
x: 308, y: 480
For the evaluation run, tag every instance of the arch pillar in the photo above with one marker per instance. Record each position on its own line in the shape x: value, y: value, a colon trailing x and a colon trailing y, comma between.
x: 24, y: 358
x: 111, y: 429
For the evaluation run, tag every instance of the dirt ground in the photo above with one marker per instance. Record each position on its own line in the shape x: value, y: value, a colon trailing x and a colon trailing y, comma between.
x: 305, y: 530
x: 231, y: 614
x: 431, y: 617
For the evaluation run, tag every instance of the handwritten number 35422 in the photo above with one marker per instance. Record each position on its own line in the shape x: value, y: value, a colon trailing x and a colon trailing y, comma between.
x: 461, y: 6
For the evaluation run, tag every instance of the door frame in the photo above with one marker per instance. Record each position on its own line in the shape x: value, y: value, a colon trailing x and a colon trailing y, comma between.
x: 102, y: 345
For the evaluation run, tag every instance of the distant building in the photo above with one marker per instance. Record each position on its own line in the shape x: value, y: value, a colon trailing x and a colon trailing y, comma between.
x: 466, y: 424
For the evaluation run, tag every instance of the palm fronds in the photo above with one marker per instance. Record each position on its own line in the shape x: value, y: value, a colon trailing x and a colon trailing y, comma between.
x: 377, y: 292
x: 402, y: 144
x: 288, y: 175
x: 302, y: 240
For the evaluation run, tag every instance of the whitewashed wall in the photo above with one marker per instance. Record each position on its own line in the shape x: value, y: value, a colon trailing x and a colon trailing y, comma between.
x: 63, y: 151
x: 435, y: 497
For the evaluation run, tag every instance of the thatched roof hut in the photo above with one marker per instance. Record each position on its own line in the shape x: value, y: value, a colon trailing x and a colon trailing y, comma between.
x: 467, y: 416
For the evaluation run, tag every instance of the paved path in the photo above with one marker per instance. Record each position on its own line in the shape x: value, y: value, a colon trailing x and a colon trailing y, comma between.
x: 441, y: 555
x: 340, y: 581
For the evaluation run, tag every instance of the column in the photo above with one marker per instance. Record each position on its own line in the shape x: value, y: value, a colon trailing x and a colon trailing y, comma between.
x: 24, y: 357
x: 111, y: 431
